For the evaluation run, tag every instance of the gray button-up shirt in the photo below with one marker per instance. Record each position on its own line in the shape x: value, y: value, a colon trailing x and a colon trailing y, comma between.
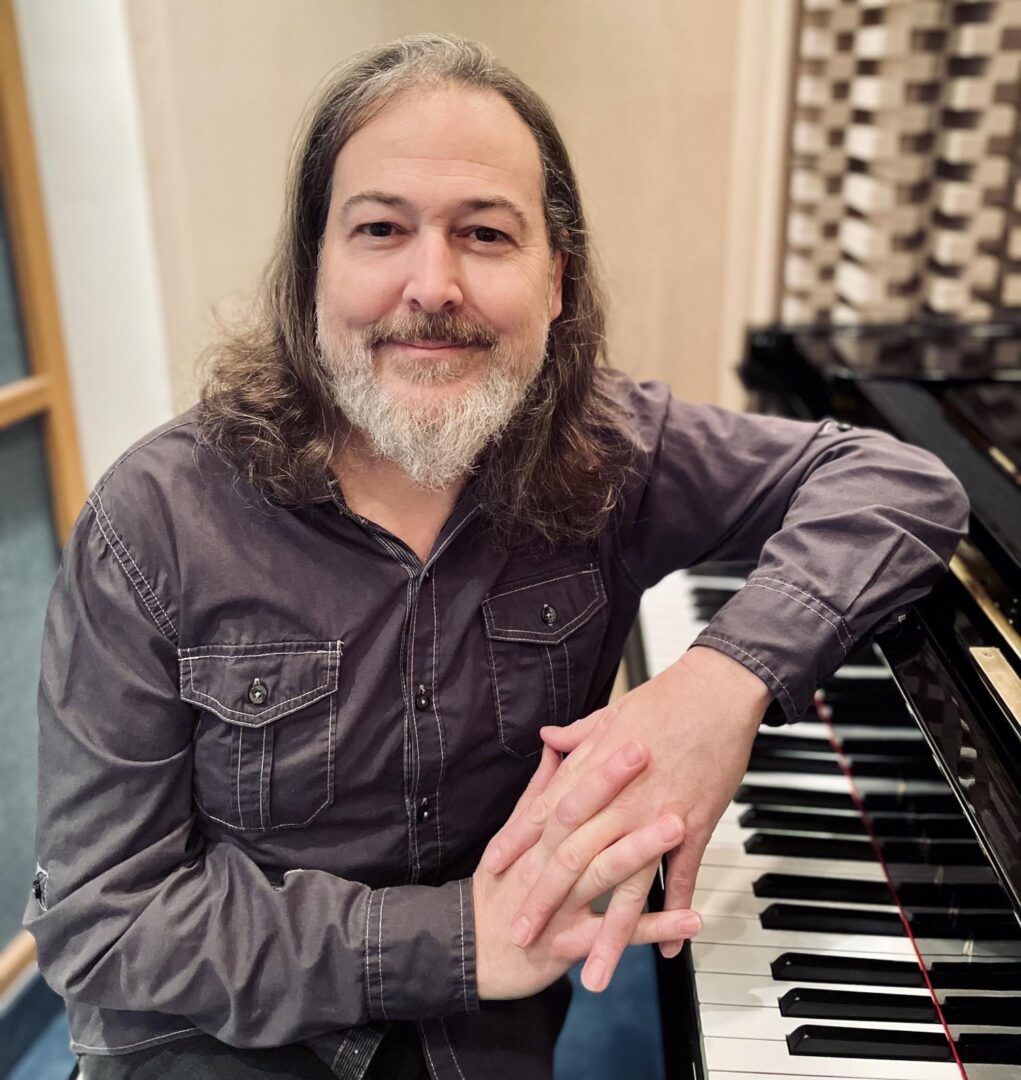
x: 273, y: 743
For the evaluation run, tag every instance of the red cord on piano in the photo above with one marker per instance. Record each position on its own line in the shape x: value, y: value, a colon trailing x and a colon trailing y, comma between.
x: 824, y: 715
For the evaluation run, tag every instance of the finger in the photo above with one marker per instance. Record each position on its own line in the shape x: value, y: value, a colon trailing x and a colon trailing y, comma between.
x: 499, y: 853
x: 638, y: 850
x: 573, y: 844
x: 619, y: 923
x: 581, y: 753
x: 682, y: 872
x: 566, y: 739
x: 653, y: 927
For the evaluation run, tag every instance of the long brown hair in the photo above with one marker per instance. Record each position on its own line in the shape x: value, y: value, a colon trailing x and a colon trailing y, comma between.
x: 558, y: 469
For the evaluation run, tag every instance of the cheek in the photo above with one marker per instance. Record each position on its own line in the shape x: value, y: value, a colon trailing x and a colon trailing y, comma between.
x: 510, y: 302
x: 355, y: 295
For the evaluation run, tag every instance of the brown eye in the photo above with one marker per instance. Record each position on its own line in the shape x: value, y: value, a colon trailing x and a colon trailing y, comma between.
x: 380, y: 228
x: 486, y: 235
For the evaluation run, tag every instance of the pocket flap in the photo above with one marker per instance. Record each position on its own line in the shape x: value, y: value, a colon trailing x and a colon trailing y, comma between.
x: 545, y: 611
x: 255, y: 684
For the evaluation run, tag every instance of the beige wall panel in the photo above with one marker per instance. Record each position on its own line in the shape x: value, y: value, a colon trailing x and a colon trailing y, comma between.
x: 644, y: 92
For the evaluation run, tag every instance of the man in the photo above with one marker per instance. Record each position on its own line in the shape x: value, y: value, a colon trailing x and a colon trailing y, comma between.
x: 305, y: 636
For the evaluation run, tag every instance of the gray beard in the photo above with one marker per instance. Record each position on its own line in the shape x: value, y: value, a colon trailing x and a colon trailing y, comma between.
x: 436, y: 443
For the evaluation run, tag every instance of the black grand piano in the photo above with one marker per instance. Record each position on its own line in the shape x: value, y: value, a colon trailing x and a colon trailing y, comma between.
x: 862, y: 895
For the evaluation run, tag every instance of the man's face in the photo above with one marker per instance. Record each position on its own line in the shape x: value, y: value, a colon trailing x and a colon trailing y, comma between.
x: 436, y: 281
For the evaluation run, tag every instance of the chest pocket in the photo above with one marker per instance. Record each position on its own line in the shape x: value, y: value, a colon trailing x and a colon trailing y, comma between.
x: 543, y: 637
x: 264, y: 741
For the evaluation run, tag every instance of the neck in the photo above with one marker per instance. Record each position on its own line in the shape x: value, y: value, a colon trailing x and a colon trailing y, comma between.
x: 382, y: 492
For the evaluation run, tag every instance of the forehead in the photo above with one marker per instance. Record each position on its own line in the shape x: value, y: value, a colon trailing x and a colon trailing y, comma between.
x: 452, y: 141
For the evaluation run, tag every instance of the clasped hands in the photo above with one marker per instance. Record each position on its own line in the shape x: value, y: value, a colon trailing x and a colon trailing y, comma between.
x: 645, y: 777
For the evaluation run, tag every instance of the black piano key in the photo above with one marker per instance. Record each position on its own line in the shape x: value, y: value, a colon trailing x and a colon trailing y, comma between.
x: 804, y: 887
x: 989, y: 1049
x: 769, y: 742
x: 895, y: 748
x: 793, y: 821
x: 764, y: 795
x: 935, y: 828
x: 806, y: 763
x: 863, y: 765
x: 875, y: 802
x: 975, y: 975
x: 832, y: 968
x: 814, y: 1004
x: 867, y: 698
x: 965, y: 894
x: 966, y: 925
x: 932, y: 853
x: 828, y: 920
x: 809, y: 847
x: 816, y: 1041
x: 912, y: 894
x: 994, y: 1011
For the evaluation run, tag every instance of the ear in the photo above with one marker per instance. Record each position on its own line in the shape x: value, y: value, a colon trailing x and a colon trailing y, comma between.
x: 556, y: 285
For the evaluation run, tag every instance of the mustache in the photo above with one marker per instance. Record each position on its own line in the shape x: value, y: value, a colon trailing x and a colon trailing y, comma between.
x: 425, y: 326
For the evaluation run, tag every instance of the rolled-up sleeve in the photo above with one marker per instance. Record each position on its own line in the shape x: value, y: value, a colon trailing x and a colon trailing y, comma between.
x: 133, y: 910
x: 847, y: 526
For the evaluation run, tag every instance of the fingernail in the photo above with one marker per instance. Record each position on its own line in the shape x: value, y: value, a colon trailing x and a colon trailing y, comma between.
x: 669, y: 949
x: 670, y: 828
x: 689, y: 925
x: 520, y: 929
x: 495, y: 855
x: 633, y: 754
x: 595, y: 975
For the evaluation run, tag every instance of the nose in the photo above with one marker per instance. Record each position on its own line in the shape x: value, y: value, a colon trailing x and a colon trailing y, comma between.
x: 433, y: 283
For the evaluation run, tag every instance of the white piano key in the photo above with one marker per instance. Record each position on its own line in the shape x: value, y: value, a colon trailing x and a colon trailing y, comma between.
x: 754, y: 960
x: 715, y: 988
x: 767, y: 1056
x: 724, y: 929
x: 740, y: 879
x: 756, y: 1022
x: 716, y: 1074
x: 723, y: 853
x: 748, y: 906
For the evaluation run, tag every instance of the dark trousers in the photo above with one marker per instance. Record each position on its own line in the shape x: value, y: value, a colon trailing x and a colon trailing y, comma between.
x: 201, y: 1057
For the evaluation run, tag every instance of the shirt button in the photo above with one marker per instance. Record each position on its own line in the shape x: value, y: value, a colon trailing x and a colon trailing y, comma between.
x: 843, y: 425
x: 257, y: 693
x: 423, y: 810
x: 548, y: 614
x: 423, y: 699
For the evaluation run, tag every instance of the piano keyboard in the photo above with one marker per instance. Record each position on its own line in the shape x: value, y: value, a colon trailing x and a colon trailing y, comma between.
x: 804, y: 967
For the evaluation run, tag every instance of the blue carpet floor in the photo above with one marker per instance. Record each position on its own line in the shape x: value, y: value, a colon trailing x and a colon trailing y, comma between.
x: 608, y: 1036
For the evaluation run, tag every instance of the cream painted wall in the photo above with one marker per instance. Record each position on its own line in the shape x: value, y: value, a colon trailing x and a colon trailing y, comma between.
x: 647, y: 94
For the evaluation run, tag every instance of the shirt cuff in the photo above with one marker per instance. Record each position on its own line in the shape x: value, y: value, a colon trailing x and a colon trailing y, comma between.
x: 786, y: 636
x: 420, y: 952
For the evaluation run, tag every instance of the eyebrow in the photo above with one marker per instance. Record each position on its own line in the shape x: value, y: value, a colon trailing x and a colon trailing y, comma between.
x: 496, y: 202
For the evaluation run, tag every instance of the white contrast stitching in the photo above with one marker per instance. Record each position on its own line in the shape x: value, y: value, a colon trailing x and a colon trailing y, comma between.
x: 790, y: 585
x: 240, y: 742
x: 441, y: 739
x: 368, y: 978
x: 453, y: 1056
x: 425, y: 1044
x: 546, y: 581
x: 379, y: 956
x: 141, y: 1042
x: 262, y: 779
x: 131, y: 580
x: 196, y: 654
x: 552, y: 684
x: 101, y: 509
x: 543, y: 636
x: 818, y: 614
x: 464, y: 973
x: 754, y: 659
x: 567, y: 661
